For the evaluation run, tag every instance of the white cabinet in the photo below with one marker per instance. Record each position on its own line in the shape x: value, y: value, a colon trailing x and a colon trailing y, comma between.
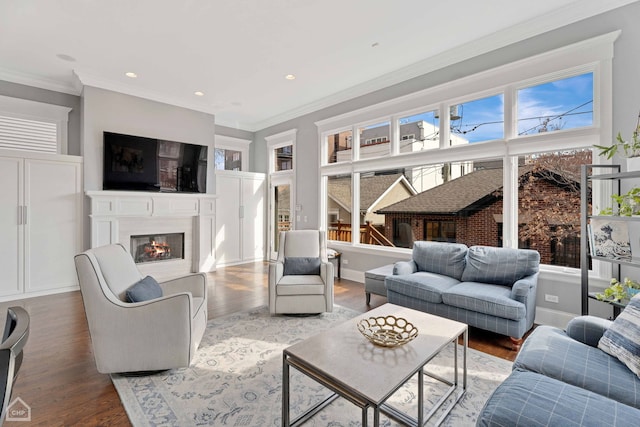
x: 40, y: 222
x: 240, y: 217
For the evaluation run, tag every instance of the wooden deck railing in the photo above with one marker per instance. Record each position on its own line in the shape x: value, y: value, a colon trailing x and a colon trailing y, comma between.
x: 368, y: 234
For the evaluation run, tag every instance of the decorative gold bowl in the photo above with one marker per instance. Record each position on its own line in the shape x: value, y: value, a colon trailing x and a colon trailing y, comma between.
x: 387, y: 331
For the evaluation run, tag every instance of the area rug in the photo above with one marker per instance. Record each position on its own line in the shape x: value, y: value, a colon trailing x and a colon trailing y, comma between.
x: 235, y: 379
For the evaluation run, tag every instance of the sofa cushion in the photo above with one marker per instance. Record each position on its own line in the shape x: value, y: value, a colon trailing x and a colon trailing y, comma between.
x: 494, y: 300
x: 421, y: 285
x: 440, y: 258
x: 144, y: 290
x: 530, y: 399
x: 301, y: 266
x: 300, y: 285
x: 622, y: 339
x: 549, y: 351
x: 499, y: 266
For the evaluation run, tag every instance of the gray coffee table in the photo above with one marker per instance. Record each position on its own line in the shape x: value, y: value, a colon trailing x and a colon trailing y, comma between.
x: 341, y: 359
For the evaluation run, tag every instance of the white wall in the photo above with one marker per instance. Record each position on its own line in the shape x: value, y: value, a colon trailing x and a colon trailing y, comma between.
x: 104, y: 110
x: 626, y: 103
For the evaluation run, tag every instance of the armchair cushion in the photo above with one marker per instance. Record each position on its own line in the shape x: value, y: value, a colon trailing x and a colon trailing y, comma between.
x: 144, y: 290
x: 622, y: 339
x: 499, y: 266
x: 301, y: 266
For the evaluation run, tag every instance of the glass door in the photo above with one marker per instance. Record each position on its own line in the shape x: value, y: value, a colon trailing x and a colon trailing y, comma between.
x: 281, y: 210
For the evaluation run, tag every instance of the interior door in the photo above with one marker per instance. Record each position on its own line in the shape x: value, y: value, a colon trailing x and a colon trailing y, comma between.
x: 280, y: 210
x: 11, y: 220
x: 228, y: 221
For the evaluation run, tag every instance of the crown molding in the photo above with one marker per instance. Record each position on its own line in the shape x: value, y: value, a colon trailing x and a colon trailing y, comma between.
x: 516, y: 33
x: 34, y: 80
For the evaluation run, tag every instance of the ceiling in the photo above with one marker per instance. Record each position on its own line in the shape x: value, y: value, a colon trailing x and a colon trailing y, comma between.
x: 238, y: 52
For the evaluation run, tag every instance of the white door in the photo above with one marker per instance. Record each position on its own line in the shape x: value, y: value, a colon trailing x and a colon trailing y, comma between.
x: 53, y: 230
x: 228, y: 222
x: 253, y: 213
x: 281, y: 212
x: 11, y: 228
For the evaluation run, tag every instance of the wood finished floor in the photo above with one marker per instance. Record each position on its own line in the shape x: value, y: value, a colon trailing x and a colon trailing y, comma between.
x: 59, y: 380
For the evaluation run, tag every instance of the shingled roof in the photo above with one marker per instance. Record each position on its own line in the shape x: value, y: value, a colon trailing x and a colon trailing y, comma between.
x: 453, y: 196
x: 371, y: 188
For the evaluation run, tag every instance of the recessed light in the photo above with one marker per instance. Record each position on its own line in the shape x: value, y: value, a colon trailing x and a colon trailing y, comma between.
x: 198, y: 93
x: 376, y: 44
x: 131, y: 74
x: 290, y: 77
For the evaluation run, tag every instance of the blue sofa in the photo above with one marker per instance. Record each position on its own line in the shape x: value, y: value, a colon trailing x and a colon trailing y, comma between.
x: 563, y: 379
x: 486, y: 287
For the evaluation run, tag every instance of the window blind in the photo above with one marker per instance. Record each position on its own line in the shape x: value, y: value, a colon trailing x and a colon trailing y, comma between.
x: 28, y: 135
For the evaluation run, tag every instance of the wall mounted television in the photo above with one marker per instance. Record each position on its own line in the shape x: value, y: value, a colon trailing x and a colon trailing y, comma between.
x: 136, y: 163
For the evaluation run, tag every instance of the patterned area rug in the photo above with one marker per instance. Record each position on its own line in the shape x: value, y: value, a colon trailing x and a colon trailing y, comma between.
x: 235, y: 379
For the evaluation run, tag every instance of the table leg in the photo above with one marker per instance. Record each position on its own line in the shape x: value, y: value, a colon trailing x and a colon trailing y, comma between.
x: 465, y: 339
x: 421, y: 397
x: 285, y: 392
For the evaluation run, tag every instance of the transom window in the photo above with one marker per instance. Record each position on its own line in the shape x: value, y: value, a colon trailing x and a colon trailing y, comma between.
x: 520, y: 189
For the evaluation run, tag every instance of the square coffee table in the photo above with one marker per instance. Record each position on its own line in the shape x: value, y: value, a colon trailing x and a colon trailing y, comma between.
x: 341, y: 359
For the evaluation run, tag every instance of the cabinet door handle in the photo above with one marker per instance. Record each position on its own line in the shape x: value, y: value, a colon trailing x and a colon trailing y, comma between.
x: 24, y: 215
x: 19, y: 215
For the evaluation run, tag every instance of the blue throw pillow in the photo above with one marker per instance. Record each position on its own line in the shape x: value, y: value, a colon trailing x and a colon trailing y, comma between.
x: 144, y: 290
x: 622, y: 339
x: 301, y: 266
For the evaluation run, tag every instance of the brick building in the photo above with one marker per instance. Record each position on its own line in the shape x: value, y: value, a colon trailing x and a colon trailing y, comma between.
x: 469, y: 210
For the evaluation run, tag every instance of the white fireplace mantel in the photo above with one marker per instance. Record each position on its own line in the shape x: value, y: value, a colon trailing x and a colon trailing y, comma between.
x: 110, y: 208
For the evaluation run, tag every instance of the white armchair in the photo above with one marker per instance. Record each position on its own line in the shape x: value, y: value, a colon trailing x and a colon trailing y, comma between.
x: 301, y: 279
x: 161, y: 333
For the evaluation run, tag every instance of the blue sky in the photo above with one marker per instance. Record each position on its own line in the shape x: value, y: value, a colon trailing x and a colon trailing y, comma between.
x: 565, y: 103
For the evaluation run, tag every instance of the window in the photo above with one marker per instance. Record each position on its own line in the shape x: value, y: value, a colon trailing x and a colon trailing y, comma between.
x: 549, y: 204
x: 284, y: 158
x: 338, y: 204
x: 440, y: 231
x: 561, y: 104
x: 228, y: 160
x: 474, y: 176
x: 33, y: 126
x: 478, y: 120
x: 425, y: 125
x: 339, y: 146
x: 374, y: 140
x: 231, y: 154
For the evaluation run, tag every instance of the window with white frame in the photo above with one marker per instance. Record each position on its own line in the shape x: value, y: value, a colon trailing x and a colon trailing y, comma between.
x: 488, y: 160
x: 231, y: 153
x: 33, y: 126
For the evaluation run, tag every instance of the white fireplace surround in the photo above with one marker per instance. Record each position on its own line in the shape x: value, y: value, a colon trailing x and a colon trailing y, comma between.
x: 117, y: 215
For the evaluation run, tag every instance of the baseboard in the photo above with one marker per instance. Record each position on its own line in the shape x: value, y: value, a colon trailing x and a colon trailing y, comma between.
x: 353, y: 275
x: 547, y: 316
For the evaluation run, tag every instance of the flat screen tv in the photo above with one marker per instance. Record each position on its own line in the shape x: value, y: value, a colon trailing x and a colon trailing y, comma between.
x: 137, y: 163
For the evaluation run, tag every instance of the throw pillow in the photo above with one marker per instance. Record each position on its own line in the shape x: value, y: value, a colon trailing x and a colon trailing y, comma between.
x: 622, y: 339
x: 301, y: 266
x: 144, y: 290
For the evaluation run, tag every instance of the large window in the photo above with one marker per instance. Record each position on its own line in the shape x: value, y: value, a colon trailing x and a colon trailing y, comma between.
x: 489, y: 165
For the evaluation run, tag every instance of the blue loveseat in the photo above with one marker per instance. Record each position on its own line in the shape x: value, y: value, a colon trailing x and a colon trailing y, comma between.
x: 485, y: 287
x: 563, y: 379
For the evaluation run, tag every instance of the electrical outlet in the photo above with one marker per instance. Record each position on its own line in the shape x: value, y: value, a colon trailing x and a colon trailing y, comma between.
x: 345, y: 261
x: 551, y: 298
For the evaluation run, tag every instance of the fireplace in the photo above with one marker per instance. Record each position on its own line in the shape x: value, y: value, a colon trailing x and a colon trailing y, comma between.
x: 157, y: 247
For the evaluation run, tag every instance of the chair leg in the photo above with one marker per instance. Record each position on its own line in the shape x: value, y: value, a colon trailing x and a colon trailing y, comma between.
x: 368, y: 295
x: 516, y: 343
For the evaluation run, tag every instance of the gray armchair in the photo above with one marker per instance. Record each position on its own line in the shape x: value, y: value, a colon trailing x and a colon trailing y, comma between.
x: 161, y: 333
x: 301, y: 279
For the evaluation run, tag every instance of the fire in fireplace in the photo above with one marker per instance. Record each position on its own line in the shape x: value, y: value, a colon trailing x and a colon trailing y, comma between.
x: 157, y: 247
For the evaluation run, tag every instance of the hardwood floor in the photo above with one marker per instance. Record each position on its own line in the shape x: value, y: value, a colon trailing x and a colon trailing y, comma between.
x: 58, y: 378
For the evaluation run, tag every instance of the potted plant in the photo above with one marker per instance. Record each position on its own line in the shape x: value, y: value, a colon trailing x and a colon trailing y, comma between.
x: 628, y: 203
x: 619, y: 291
x: 631, y: 149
